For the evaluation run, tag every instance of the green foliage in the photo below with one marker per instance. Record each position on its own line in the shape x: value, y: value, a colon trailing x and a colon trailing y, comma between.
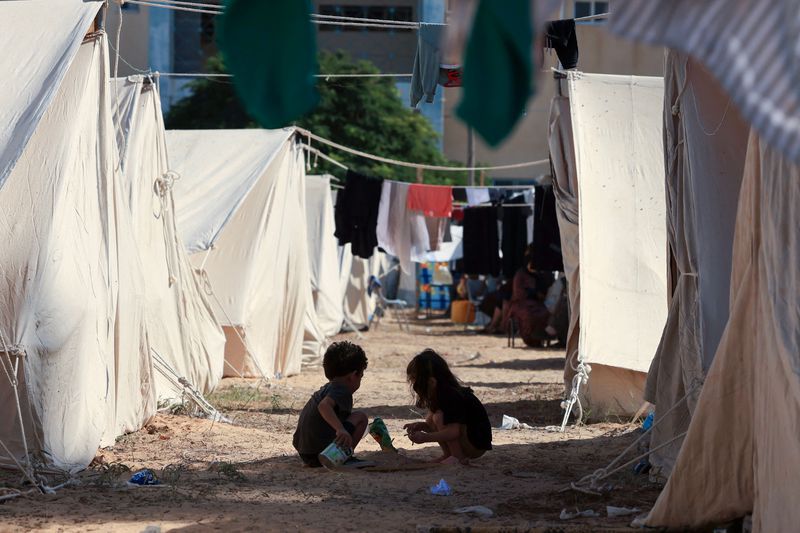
x: 362, y: 113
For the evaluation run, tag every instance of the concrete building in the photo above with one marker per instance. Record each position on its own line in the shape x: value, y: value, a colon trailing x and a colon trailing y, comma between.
x: 599, y: 52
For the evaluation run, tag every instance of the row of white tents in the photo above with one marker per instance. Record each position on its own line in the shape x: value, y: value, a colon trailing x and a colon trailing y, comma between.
x: 139, y: 265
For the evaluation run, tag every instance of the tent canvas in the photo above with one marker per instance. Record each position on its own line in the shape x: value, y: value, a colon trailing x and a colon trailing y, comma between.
x: 183, y: 332
x: 323, y: 254
x: 616, y: 123
x: 240, y: 208
x: 38, y: 48
x: 703, y: 174
x: 72, y: 334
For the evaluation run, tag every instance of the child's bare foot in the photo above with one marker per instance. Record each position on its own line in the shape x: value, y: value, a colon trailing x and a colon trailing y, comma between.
x: 441, y: 459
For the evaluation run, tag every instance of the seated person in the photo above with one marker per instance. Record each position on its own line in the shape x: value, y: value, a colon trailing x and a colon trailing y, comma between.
x: 527, y: 312
x: 328, y: 415
x: 495, y: 305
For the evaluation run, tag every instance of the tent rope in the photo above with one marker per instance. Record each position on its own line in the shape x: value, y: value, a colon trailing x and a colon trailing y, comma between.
x: 210, y: 291
x: 188, y: 389
x: 11, y: 371
x: 581, y: 378
x: 602, y: 473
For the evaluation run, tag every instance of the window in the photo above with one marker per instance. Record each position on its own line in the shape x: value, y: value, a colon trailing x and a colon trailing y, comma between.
x: 399, y: 13
x: 130, y: 7
x: 587, y: 9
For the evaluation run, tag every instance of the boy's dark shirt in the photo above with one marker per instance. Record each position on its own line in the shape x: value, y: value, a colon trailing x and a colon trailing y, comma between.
x: 313, y: 433
x: 461, y: 406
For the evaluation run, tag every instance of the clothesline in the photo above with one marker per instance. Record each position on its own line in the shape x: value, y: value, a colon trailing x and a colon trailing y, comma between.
x: 422, y: 166
x: 320, y: 16
x: 316, y: 18
x: 326, y: 76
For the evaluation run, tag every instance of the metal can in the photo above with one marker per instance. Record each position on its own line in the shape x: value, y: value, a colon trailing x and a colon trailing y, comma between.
x: 334, y: 455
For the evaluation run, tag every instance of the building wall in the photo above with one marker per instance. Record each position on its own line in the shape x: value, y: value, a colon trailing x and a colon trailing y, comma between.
x: 600, y: 52
x: 134, y: 39
x: 391, y: 50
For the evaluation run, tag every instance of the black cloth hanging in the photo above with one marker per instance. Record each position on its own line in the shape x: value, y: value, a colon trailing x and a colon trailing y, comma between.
x: 560, y: 36
x: 356, y: 213
x: 480, y: 241
x: 546, y: 247
x: 515, y: 235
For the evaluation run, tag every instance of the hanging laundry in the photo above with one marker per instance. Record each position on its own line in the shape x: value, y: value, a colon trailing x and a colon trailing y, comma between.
x: 481, y: 246
x: 546, y: 249
x: 400, y: 232
x: 431, y: 200
x: 477, y: 196
x: 437, y: 226
x: 425, y: 75
x: 459, y: 195
x: 356, y: 213
x: 560, y: 36
x: 450, y: 76
x: 276, y: 88
x: 497, y: 195
x: 529, y: 195
x: 514, y: 241
x: 498, y: 68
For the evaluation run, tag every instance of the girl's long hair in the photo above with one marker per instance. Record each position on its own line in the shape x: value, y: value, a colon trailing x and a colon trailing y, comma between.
x: 425, y: 365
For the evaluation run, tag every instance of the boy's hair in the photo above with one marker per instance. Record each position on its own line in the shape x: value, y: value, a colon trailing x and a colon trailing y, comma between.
x: 343, y: 357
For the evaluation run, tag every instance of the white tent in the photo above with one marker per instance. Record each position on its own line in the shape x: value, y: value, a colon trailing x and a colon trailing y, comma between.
x: 740, y: 454
x: 240, y: 207
x: 185, y: 339
x: 76, y: 371
x: 324, y: 254
x: 354, y: 274
x: 616, y: 124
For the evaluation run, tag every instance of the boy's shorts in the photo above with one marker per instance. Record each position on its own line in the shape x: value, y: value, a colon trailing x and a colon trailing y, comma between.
x: 312, y: 459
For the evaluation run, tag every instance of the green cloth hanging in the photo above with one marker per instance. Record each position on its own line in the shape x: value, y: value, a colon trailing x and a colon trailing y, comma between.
x: 498, y: 68
x: 270, y: 48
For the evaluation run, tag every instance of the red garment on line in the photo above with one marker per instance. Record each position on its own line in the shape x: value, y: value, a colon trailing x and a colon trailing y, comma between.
x: 432, y: 200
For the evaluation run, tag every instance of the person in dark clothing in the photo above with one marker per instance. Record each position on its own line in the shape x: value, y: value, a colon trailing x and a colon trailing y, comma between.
x: 495, y: 305
x: 456, y: 420
x: 328, y: 415
x: 527, y: 310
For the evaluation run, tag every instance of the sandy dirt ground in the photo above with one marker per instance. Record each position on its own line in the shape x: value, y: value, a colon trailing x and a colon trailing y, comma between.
x: 245, y: 476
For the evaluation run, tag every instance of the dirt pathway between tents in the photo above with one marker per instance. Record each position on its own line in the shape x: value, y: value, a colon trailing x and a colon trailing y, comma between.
x: 245, y: 476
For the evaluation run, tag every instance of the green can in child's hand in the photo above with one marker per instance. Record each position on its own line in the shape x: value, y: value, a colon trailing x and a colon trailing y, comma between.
x: 380, y: 433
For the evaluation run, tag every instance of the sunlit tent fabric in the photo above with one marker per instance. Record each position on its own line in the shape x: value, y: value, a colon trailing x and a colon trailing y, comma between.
x: 71, y: 317
x: 619, y: 158
x: 324, y: 255
x: 705, y: 145
x: 240, y: 209
x: 35, y: 59
x: 183, y: 333
x: 747, y: 463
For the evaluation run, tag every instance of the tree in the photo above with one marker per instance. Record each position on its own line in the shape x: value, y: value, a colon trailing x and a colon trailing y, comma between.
x: 361, y: 113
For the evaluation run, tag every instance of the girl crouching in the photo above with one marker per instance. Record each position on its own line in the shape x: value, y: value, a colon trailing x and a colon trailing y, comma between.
x: 456, y: 419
